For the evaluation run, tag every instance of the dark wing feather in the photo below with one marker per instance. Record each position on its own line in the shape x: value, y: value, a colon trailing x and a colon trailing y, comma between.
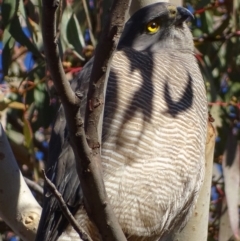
x: 61, y: 170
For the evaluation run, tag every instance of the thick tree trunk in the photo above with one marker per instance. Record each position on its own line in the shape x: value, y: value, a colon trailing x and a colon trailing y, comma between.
x: 18, y: 207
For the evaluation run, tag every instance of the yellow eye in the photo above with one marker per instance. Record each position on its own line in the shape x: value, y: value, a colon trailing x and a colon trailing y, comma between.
x: 153, y: 27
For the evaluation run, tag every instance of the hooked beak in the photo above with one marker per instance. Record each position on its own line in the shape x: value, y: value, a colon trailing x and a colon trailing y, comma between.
x: 182, y: 15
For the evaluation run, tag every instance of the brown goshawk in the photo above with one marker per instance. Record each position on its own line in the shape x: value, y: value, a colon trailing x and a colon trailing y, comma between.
x: 154, y: 134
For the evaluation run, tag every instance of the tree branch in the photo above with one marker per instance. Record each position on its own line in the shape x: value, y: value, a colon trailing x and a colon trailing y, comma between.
x: 208, y: 38
x: 89, y: 23
x: 34, y: 186
x: 87, y: 154
x: 18, y: 207
x: 84, y: 236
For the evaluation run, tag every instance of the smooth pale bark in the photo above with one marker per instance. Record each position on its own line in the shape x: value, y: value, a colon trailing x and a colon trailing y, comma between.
x: 18, y: 207
x: 197, y: 227
x: 225, y: 230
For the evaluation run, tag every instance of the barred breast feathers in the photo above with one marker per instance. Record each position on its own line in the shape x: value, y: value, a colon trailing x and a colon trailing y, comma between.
x: 156, y: 127
x: 153, y: 144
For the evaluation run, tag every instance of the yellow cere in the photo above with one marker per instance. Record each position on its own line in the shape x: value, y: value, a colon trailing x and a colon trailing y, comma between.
x: 152, y: 27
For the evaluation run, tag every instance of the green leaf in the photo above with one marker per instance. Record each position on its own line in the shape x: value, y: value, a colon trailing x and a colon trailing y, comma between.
x: 71, y: 34
x: 36, y: 33
x: 21, y: 10
x: 9, y: 10
x: 221, y: 28
x: 8, y: 43
x: 39, y: 95
x: 5, y: 103
x: 207, y: 22
x: 28, y: 135
x: 74, y: 34
x: 17, y: 105
x: 235, y: 88
x: 15, y: 136
x: 16, y: 31
x: 30, y: 74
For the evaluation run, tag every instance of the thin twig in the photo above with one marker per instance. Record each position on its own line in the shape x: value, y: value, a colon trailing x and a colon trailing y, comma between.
x: 211, y: 6
x: 34, y: 186
x: 82, y: 234
x: 218, y: 216
x: 208, y: 38
x: 23, y: 51
x: 89, y: 23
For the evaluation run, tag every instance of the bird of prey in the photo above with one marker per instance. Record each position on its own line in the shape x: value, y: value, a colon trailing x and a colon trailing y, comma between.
x: 154, y: 134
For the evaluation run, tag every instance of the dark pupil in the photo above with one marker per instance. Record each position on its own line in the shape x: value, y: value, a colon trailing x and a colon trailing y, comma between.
x: 153, y: 25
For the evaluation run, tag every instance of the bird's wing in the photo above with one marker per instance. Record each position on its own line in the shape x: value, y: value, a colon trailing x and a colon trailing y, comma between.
x: 61, y: 170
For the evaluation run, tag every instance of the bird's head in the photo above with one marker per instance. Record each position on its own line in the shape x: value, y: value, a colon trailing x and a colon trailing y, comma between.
x: 156, y: 27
